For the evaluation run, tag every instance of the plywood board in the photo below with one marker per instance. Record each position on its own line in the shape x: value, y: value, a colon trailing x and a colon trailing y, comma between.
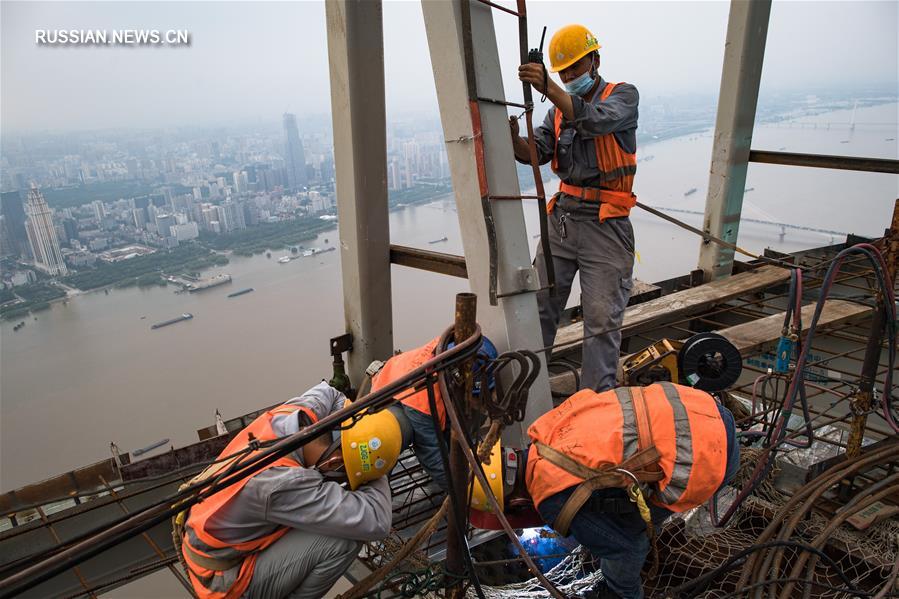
x: 682, y: 303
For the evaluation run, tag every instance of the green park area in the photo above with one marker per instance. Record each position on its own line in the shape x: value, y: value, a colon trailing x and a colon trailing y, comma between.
x: 145, y: 270
x: 267, y: 236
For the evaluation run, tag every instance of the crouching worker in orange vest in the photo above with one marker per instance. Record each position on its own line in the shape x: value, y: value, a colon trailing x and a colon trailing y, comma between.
x: 609, y: 468
x: 414, y: 412
x: 288, y: 530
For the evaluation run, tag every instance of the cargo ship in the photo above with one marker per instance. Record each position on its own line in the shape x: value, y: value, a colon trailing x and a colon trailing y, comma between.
x: 241, y: 292
x: 165, y: 323
x: 209, y: 283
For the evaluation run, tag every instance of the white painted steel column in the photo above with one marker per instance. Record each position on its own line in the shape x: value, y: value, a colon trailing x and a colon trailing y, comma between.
x: 356, y: 59
x: 514, y: 323
x: 744, y: 51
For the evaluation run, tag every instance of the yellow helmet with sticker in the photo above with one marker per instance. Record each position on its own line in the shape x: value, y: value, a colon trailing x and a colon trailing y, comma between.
x: 494, y: 473
x: 371, y: 446
x: 568, y: 45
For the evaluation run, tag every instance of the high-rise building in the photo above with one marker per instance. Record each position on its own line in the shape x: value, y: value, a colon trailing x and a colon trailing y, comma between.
x: 42, y: 235
x: 293, y: 153
x: 140, y: 217
x: 99, y: 210
x: 230, y: 216
x: 13, y: 212
x: 164, y: 224
x: 183, y: 203
x: 185, y: 232
x: 5, y: 246
x: 209, y: 215
x: 240, y: 181
x: 70, y: 226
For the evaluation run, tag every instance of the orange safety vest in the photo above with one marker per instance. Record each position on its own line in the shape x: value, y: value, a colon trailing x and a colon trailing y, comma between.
x: 402, y: 364
x: 616, y: 173
x: 601, y: 430
x: 220, y: 570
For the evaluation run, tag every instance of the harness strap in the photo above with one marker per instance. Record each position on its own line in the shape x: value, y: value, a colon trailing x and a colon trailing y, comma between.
x: 211, y: 563
x: 641, y: 415
x: 642, y: 465
x: 624, y: 199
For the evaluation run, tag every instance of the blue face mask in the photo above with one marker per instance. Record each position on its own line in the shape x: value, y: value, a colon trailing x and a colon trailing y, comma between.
x: 581, y: 85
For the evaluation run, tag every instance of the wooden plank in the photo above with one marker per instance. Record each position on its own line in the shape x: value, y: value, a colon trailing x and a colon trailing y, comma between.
x: 753, y: 336
x: 676, y: 305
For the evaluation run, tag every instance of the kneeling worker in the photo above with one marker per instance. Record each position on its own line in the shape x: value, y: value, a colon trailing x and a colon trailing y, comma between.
x: 609, y: 468
x: 287, y: 530
x: 414, y: 411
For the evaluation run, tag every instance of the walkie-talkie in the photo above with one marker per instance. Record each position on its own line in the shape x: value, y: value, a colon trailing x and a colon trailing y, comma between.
x: 536, y: 55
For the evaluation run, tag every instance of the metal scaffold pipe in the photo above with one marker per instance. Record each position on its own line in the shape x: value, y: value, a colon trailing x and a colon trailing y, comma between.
x: 466, y: 310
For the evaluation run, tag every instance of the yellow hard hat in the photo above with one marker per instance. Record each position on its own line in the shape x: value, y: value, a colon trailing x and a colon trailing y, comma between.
x: 371, y: 447
x: 494, y: 473
x: 568, y: 45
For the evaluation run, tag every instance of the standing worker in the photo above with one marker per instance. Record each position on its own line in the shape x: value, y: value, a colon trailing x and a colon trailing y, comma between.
x: 590, y: 136
x: 286, y: 531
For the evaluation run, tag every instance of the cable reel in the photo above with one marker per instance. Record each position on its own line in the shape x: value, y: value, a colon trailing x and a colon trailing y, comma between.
x: 709, y: 362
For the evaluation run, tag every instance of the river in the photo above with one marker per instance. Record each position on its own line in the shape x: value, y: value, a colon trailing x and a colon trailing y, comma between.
x: 91, y: 371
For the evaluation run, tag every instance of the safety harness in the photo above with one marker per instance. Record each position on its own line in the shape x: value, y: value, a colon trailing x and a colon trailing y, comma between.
x: 639, y: 469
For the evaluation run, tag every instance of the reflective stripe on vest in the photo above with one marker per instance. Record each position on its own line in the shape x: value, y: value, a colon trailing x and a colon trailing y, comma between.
x: 217, y: 569
x: 615, y: 171
x: 600, y: 429
x: 402, y: 364
x: 683, y: 457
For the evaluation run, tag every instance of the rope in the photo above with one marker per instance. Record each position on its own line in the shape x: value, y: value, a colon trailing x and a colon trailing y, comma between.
x: 709, y: 237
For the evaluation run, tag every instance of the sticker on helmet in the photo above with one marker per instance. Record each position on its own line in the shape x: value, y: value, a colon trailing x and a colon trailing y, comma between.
x: 374, y: 443
x: 364, y: 457
x: 379, y: 463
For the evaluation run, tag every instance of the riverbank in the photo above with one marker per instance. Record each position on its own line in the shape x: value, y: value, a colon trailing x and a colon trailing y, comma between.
x: 31, y: 298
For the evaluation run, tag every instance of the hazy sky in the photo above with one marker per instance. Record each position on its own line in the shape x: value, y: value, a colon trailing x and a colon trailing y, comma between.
x: 251, y: 61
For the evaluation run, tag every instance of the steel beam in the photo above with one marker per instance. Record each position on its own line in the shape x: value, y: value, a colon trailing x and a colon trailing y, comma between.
x: 744, y: 51
x: 356, y: 60
x: 445, y: 264
x: 847, y: 163
x: 514, y: 322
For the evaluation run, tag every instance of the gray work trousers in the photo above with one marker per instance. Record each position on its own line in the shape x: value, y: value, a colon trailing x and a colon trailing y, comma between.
x: 301, y: 565
x: 604, y: 255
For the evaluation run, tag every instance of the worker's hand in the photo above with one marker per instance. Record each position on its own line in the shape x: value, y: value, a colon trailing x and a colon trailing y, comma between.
x: 513, y: 126
x: 532, y: 73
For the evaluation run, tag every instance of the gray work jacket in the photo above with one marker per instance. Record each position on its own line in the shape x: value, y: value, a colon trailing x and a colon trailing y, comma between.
x: 616, y: 115
x: 300, y: 497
